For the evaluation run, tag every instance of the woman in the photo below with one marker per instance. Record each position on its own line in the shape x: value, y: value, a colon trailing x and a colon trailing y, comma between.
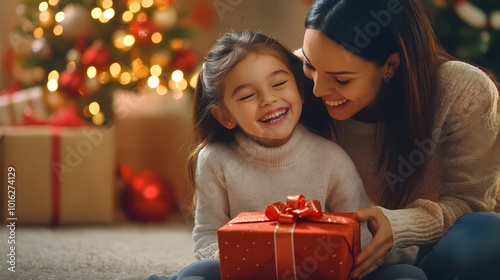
x: 420, y: 127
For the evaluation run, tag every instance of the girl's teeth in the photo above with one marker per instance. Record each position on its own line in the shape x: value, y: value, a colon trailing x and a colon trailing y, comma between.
x: 274, y: 115
x: 336, y: 103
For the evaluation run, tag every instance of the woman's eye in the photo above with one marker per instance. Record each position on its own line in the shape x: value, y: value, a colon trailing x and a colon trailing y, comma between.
x: 246, y: 96
x: 308, y: 66
x: 343, y: 82
x: 280, y: 84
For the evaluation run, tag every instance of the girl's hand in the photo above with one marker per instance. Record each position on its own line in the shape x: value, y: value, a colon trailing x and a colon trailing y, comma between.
x: 375, y: 253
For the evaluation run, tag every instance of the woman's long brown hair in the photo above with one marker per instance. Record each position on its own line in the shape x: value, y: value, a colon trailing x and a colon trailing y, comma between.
x: 409, y: 100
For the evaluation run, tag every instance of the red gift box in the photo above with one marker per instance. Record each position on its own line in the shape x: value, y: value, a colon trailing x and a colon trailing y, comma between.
x: 285, y: 243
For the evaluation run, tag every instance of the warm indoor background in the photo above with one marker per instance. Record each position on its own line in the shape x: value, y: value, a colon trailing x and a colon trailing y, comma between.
x: 99, y: 157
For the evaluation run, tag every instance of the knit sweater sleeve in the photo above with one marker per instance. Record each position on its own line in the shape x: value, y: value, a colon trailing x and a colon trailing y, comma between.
x: 467, y: 123
x: 212, y: 208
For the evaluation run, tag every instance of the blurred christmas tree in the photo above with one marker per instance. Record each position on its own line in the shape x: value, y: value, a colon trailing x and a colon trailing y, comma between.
x: 469, y: 29
x: 81, y: 50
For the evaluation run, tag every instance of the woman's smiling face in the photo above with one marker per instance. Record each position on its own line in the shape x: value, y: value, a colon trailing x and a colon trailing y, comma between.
x: 344, y: 81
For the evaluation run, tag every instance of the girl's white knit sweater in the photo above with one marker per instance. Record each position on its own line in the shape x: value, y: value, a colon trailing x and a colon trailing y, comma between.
x: 246, y: 177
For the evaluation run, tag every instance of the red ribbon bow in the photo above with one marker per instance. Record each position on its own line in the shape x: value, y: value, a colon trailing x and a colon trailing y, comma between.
x: 296, y: 208
x: 68, y: 116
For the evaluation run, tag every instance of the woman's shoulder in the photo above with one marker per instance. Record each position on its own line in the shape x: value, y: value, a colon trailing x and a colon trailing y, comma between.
x: 460, y: 80
x: 456, y: 72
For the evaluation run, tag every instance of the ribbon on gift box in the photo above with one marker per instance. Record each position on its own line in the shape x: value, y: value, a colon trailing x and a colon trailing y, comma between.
x: 296, y: 207
x: 64, y: 118
x: 56, y: 183
x: 67, y: 116
x: 286, y: 215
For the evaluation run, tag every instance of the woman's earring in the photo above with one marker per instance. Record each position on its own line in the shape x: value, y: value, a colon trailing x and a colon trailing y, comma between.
x: 387, y: 77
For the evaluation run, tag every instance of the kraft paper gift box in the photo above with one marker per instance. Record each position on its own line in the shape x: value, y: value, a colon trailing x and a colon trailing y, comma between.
x: 12, y: 105
x: 251, y: 246
x: 62, y: 175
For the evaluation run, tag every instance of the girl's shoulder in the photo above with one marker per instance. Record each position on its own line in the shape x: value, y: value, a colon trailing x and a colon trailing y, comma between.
x: 214, y: 152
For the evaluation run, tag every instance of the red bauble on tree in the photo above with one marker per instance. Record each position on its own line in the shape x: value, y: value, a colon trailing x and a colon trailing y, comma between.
x: 142, y: 29
x: 97, y: 55
x: 185, y: 60
x: 146, y: 198
x: 73, y: 83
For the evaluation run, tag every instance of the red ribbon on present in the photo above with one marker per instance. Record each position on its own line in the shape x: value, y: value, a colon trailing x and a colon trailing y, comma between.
x: 56, y: 183
x: 67, y: 116
x: 296, y: 208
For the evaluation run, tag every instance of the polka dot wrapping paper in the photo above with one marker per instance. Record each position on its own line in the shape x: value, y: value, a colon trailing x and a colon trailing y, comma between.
x: 253, y: 247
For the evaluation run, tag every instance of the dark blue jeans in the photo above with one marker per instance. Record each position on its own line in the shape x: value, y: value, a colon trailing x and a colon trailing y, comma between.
x: 206, y: 269
x: 469, y: 250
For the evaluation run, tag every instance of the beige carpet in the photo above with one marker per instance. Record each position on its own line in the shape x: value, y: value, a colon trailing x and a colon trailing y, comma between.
x: 124, y: 251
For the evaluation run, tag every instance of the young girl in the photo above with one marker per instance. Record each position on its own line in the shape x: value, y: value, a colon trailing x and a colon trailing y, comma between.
x: 252, y: 150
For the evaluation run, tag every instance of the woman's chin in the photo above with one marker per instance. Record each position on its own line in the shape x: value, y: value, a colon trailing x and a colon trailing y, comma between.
x: 339, y: 117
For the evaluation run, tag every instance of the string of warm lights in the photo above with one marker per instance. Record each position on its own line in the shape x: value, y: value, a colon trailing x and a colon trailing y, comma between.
x: 113, y: 43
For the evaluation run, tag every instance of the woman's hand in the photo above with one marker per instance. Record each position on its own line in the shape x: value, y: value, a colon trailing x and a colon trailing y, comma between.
x: 375, y: 253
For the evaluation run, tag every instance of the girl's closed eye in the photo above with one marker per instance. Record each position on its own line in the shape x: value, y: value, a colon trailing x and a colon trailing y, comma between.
x: 246, y: 96
x: 280, y: 84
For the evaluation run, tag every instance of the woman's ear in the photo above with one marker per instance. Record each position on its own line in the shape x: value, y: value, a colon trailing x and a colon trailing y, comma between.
x: 222, y: 117
x: 393, y: 62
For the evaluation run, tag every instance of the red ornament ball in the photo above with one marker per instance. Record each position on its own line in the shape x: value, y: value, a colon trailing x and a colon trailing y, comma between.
x: 142, y: 29
x: 185, y: 60
x: 97, y: 55
x: 146, y: 198
x: 72, y: 83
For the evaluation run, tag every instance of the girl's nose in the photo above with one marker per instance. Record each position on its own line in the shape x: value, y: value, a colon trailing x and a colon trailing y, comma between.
x: 268, y: 98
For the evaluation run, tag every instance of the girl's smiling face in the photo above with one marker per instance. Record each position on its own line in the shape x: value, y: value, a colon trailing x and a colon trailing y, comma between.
x: 345, y: 82
x: 262, y: 98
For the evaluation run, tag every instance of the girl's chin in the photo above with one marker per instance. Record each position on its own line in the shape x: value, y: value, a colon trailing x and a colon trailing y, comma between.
x: 272, y: 140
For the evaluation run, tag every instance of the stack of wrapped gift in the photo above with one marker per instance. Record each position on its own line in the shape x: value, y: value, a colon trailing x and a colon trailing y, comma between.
x: 62, y: 175
x: 292, y: 241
